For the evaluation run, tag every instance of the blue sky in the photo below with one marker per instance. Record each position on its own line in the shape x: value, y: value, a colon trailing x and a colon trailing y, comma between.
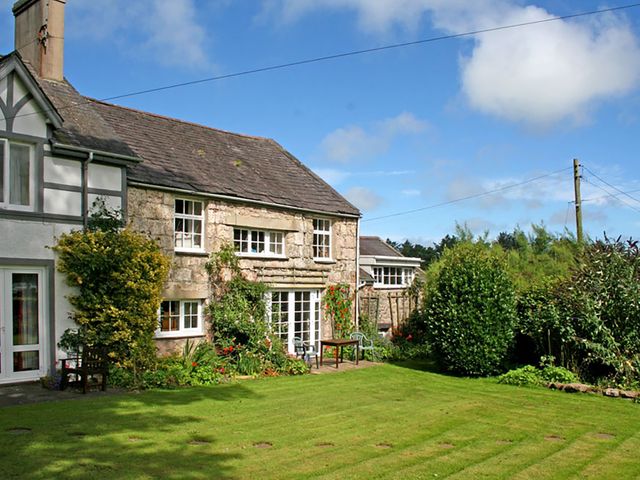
x: 401, y: 129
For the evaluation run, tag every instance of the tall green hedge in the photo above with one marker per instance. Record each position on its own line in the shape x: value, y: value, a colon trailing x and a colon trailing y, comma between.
x: 470, y: 310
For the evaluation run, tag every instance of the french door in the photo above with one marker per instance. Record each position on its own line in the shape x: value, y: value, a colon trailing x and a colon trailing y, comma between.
x: 296, y: 313
x: 22, y: 325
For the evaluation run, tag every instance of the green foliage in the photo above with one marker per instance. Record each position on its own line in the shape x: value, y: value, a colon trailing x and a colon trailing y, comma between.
x: 470, y: 310
x: 198, y: 365
x: 104, y: 219
x: 539, y: 258
x: 239, y: 326
x: 521, y: 377
x: 532, y: 376
x: 603, y: 304
x: 118, y: 277
x: 338, y: 308
x: 558, y: 375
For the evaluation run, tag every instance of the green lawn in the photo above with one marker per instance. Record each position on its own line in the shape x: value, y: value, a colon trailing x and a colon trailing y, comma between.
x: 380, y: 422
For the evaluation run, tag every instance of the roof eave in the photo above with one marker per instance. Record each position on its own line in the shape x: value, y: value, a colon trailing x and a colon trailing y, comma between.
x: 114, y: 158
x: 230, y: 198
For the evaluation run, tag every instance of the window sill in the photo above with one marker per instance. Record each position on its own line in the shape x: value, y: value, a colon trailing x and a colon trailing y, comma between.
x: 176, y: 335
x: 378, y: 286
x: 258, y: 256
x: 195, y: 253
x: 324, y: 260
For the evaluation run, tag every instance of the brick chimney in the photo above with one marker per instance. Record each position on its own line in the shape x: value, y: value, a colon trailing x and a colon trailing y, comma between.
x: 40, y: 35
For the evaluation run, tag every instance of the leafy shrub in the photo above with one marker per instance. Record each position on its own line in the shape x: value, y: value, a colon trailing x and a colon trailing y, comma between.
x: 470, y: 310
x: 118, y: 277
x: 603, y: 305
x: 552, y: 374
x: 411, y: 340
x: 591, y: 321
x: 532, y: 376
x: 239, y: 322
x: 521, y: 377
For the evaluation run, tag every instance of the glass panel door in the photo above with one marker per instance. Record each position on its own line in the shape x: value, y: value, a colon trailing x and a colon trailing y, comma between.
x: 24, y: 317
x: 296, y: 314
x: 21, y: 325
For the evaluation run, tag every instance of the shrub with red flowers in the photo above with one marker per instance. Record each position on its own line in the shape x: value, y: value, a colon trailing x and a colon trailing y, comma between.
x: 338, y: 308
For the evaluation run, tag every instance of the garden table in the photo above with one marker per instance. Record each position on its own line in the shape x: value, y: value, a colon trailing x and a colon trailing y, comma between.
x: 338, y: 343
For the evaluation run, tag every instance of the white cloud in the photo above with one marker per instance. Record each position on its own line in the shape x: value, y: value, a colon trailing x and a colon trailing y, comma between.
x: 537, y: 75
x: 354, y: 142
x: 533, y: 195
x: 167, y: 30
x: 363, y: 198
x: 411, y: 192
x: 543, y: 74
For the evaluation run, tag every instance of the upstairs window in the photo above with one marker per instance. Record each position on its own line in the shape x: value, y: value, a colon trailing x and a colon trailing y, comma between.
x: 258, y: 242
x: 393, y: 276
x: 188, y: 225
x: 16, y: 175
x: 321, y: 239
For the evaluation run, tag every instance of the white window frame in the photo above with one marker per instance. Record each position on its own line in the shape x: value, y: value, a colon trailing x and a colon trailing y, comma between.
x: 383, y: 273
x: 182, y: 331
x: 5, y: 199
x: 271, y: 240
x: 293, y: 318
x: 185, y: 217
x: 322, y: 229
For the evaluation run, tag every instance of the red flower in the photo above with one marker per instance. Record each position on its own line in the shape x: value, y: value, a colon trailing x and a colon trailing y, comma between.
x: 221, y: 370
x: 409, y: 337
x: 231, y: 348
x: 194, y: 364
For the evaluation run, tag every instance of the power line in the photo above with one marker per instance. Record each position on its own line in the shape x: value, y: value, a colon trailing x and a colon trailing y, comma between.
x: 611, y: 195
x: 626, y: 194
x: 607, y: 196
x: 462, y: 199
x: 349, y: 54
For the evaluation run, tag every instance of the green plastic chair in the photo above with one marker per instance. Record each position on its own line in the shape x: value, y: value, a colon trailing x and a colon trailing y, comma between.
x: 364, y: 343
x: 305, y: 351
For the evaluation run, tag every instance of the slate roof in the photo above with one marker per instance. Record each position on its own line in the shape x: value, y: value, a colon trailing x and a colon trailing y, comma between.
x: 185, y: 155
x: 83, y: 127
x: 375, y: 246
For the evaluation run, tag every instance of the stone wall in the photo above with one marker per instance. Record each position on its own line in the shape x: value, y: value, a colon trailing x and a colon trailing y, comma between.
x: 151, y: 211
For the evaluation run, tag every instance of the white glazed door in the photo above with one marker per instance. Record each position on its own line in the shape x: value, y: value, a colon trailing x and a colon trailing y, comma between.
x: 22, y: 329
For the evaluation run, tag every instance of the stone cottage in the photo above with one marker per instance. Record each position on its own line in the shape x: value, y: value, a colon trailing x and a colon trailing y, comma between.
x: 191, y: 187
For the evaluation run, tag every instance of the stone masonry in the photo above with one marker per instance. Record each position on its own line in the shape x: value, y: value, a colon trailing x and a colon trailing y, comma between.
x: 152, y: 212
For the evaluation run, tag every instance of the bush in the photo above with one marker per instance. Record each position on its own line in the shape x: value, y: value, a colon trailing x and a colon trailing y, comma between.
x: 522, y: 377
x: 603, y: 305
x: 197, y: 365
x: 118, y: 276
x: 470, y: 310
x: 532, y: 376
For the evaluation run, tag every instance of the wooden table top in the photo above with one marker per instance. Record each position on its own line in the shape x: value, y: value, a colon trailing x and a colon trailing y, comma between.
x: 336, y: 342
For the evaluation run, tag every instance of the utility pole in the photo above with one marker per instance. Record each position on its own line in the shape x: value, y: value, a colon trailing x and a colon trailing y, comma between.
x: 576, y: 187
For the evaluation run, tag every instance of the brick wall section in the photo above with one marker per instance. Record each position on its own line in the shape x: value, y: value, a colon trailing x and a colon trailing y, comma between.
x: 151, y: 212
